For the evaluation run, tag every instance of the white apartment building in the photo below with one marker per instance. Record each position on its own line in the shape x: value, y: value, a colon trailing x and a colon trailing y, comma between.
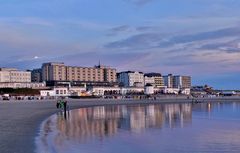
x: 149, y: 80
x: 13, y: 75
x: 155, y: 79
x: 131, y: 79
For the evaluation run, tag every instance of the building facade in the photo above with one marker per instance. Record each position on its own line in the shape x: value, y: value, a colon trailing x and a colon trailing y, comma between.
x: 168, y: 80
x: 56, y: 92
x: 11, y: 75
x: 16, y: 85
x: 53, y: 71
x: 149, y: 80
x: 101, y: 91
x: 36, y: 75
x: 157, y: 79
x: 60, y: 72
x: 182, y: 82
x: 131, y: 79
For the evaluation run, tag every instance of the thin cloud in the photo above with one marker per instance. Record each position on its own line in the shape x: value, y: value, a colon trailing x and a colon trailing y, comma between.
x: 118, y: 30
x: 121, y: 28
x: 145, y: 40
x: 139, y: 2
x: 219, y: 49
x: 120, y: 60
x: 227, y: 46
x: 146, y: 28
x: 216, y: 34
x: 87, y: 25
x: 157, y: 40
x: 27, y: 21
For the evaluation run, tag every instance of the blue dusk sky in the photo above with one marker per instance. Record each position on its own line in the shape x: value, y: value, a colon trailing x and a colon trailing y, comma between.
x: 200, y: 38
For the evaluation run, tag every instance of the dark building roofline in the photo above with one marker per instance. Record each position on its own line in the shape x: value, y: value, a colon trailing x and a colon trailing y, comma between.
x: 153, y: 74
x: 130, y: 72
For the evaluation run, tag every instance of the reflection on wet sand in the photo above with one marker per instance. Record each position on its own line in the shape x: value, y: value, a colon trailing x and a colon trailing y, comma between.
x: 88, y: 127
x: 106, y: 120
x: 98, y: 122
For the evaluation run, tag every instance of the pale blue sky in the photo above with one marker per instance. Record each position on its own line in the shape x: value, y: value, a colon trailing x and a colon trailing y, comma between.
x: 189, y: 37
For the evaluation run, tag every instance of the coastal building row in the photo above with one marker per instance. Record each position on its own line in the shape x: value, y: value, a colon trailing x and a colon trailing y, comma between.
x: 59, y: 72
x: 110, y: 91
x: 100, y: 80
x: 139, y: 79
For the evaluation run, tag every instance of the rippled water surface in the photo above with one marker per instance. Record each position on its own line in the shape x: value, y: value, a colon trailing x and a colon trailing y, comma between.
x: 160, y: 128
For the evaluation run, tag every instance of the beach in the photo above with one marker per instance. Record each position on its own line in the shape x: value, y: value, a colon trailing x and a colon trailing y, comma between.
x: 21, y: 120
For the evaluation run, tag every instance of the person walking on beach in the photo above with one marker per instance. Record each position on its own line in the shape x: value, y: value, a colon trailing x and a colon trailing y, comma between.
x: 60, y: 103
x: 65, y: 106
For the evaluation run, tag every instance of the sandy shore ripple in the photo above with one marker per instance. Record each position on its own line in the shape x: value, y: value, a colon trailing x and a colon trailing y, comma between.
x: 21, y: 120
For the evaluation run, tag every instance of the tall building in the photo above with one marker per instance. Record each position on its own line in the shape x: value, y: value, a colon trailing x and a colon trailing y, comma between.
x: 182, y: 81
x: 131, y: 78
x: 60, y: 72
x: 12, y: 75
x: 157, y: 78
x: 177, y: 81
x: 54, y: 72
x: 168, y: 80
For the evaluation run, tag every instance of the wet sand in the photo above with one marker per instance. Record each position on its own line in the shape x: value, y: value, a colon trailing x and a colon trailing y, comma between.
x: 20, y: 120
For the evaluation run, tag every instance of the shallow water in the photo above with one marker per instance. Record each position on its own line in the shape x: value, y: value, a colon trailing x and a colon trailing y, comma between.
x: 160, y: 128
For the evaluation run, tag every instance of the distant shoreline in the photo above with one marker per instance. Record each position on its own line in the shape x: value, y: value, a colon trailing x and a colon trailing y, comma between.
x: 21, y: 120
x: 163, y: 99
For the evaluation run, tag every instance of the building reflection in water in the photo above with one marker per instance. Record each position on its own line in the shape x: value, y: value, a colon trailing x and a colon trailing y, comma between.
x: 97, y: 124
x: 104, y: 121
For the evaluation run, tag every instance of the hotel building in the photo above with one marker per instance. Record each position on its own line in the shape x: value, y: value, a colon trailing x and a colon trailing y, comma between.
x: 11, y: 75
x: 60, y: 72
x: 13, y: 78
x: 131, y: 78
